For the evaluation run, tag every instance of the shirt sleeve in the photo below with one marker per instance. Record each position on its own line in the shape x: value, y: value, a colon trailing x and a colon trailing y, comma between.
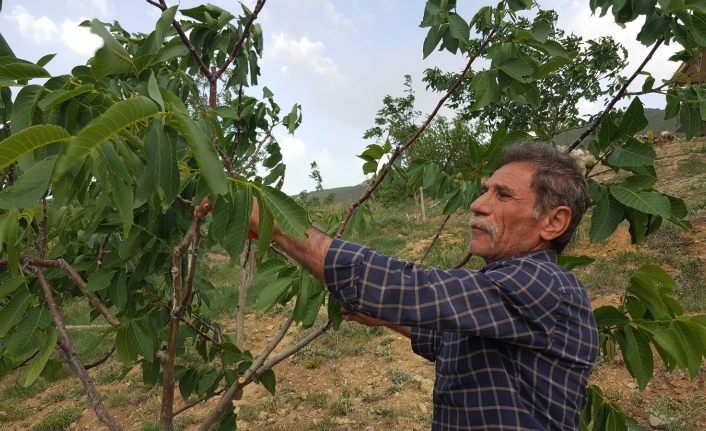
x: 512, y: 300
x: 425, y: 342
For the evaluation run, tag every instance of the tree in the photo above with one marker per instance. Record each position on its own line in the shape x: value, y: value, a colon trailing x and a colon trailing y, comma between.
x: 118, y: 177
x: 315, y: 175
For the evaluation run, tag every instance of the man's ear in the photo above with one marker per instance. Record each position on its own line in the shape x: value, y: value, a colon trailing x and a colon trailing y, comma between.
x: 555, y: 222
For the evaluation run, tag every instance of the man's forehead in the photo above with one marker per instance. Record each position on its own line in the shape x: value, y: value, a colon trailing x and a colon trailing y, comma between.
x: 516, y: 175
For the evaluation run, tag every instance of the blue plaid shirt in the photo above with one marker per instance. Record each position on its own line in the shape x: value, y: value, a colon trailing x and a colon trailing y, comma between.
x: 513, y: 343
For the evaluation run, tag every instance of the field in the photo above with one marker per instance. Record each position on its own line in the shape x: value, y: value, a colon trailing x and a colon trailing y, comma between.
x: 361, y: 378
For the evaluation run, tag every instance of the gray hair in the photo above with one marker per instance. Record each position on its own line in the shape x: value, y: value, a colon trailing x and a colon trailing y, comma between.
x: 557, y: 181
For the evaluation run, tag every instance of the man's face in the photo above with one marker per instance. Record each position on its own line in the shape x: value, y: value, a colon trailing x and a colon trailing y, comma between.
x: 503, y: 222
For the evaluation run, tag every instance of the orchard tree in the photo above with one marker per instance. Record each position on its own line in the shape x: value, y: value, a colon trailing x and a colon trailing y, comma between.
x: 118, y: 177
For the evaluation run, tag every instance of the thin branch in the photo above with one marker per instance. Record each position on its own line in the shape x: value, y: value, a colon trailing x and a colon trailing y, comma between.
x: 75, y: 277
x: 615, y: 99
x: 102, y: 250
x: 253, y: 159
x: 102, y: 359
x: 66, y: 351
x: 236, y: 48
x: 194, y: 403
x: 26, y: 361
x: 227, y: 398
x: 197, y: 330
x: 247, y: 275
x: 185, y: 40
x: 294, y: 349
x: 168, y: 377
x: 464, y: 261
x: 436, y: 237
x: 403, y: 147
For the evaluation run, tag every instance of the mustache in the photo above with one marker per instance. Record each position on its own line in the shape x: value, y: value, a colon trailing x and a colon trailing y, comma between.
x: 484, y: 224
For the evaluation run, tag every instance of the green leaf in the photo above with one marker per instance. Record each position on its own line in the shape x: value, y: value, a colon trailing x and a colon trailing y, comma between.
x: 99, y: 280
x: 29, y: 139
x: 432, y: 39
x: 639, y: 182
x: 607, y: 215
x: 11, y: 284
x: 112, y: 171
x: 41, y: 359
x: 667, y: 341
x: 22, y: 71
x: 654, y: 273
x: 607, y: 316
x: 634, y: 118
x: 334, y: 311
x: 517, y: 68
x: 153, y: 91
x: 24, y: 110
x: 187, y: 382
x: 691, y: 345
x: 13, y: 311
x: 30, y: 187
x: 698, y: 27
x: 231, y: 221
x: 112, y: 121
x: 268, y: 380
x: 202, y: 150
x: 647, y: 292
x: 571, y: 262
x: 485, y: 89
x: 638, y: 355
x: 690, y: 120
x: 58, y: 97
x: 291, y: 216
x: 459, y: 28
x: 112, y: 58
x: 272, y: 293
x: 633, y: 154
x: 646, y: 202
x: 161, y: 172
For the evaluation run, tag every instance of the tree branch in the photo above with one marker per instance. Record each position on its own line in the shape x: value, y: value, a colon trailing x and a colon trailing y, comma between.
x: 185, y: 40
x: 615, y: 99
x: 436, y: 236
x: 294, y: 349
x: 102, y: 359
x: 253, y: 159
x: 246, y: 31
x: 227, y: 398
x: 464, y: 261
x: 403, y: 147
x: 247, y: 276
x: 66, y: 351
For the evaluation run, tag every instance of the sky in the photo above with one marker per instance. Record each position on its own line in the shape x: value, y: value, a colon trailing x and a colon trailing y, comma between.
x: 337, y: 58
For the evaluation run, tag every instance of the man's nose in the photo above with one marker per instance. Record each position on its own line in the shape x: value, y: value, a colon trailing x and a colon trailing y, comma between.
x: 481, y: 206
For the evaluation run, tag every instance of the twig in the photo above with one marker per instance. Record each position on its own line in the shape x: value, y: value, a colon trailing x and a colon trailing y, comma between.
x: 464, y: 261
x: 168, y: 378
x: 101, y: 360
x: 66, y: 350
x: 184, y: 39
x: 197, y: 330
x: 26, y: 361
x: 246, y: 31
x: 75, y: 277
x: 227, y: 398
x: 247, y: 275
x: 615, y: 99
x: 253, y: 159
x: 403, y: 147
x: 102, y: 251
x: 200, y: 400
x: 294, y: 349
x: 433, y: 240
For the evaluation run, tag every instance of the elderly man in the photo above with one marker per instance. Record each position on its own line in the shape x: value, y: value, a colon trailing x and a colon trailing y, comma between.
x: 514, y: 342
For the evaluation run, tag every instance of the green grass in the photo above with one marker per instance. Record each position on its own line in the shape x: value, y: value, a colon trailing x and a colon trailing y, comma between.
x: 58, y: 420
x: 11, y: 412
x: 692, y: 166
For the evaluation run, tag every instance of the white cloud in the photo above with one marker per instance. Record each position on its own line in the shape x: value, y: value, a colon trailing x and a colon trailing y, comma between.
x: 101, y: 6
x: 301, y: 54
x: 293, y: 149
x: 38, y: 30
x: 79, y: 39
x: 338, y: 20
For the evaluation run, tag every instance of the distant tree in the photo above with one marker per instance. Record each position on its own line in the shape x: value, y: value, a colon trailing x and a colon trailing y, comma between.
x: 315, y: 175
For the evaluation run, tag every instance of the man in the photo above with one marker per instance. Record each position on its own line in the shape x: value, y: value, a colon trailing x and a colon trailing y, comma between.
x: 513, y: 343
